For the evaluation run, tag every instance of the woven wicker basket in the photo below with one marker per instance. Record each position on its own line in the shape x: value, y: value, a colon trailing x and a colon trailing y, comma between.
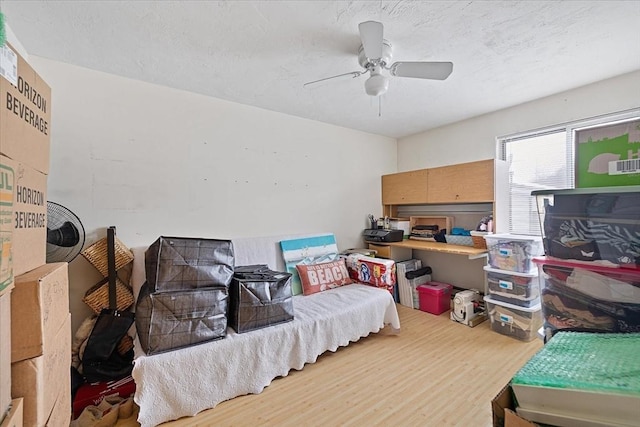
x: 96, y: 254
x: 125, y: 344
x: 478, y: 240
x: 97, y: 297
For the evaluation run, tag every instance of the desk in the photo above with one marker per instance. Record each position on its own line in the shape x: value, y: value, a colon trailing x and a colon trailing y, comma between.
x: 422, y: 245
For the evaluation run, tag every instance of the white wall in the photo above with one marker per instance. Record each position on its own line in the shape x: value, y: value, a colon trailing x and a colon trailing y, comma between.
x: 157, y: 161
x: 475, y: 139
x: 153, y: 160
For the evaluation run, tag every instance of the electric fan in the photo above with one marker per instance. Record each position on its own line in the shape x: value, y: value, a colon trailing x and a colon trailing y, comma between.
x: 65, y: 234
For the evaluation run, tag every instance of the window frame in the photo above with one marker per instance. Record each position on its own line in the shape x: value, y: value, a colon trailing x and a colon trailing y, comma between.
x: 570, y: 130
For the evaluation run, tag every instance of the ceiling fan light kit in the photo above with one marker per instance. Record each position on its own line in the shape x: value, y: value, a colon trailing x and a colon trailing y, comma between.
x: 375, y: 55
x: 377, y: 84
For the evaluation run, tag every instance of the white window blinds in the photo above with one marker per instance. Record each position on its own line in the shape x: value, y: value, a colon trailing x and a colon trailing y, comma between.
x: 546, y: 159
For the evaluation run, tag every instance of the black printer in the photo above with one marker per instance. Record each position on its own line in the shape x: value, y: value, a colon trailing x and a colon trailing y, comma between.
x: 382, y: 235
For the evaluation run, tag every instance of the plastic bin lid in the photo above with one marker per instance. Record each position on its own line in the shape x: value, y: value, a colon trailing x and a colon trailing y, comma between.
x: 434, y: 287
x: 532, y: 309
x: 587, y: 265
x: 507, y: 236
x: 532, y: 273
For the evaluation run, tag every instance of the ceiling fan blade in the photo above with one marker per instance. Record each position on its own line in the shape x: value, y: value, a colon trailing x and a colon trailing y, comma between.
x: 353, y: 74
x: 371, y: 33
x: 422, y: 70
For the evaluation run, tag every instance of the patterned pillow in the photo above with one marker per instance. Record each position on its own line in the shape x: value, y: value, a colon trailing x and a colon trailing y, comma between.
x: 307, y: 250
x: 323, y: 276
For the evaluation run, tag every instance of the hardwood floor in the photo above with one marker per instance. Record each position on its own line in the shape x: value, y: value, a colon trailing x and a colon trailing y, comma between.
x: 434, y: 373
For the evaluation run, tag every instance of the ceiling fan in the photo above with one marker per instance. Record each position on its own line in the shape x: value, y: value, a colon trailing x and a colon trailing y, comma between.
x: 375, y: 54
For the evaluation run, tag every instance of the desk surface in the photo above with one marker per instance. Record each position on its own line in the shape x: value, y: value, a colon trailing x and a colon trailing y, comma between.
x: 422, y: 245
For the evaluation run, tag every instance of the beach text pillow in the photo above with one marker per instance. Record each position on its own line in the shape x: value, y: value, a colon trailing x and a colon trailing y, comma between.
x: 323, y: 276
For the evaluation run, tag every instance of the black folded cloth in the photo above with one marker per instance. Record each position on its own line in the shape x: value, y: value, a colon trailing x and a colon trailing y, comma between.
x: 417, y: 273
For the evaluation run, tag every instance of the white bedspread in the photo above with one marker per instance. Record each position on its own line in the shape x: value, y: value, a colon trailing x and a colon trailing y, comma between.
x: 184, y: 382
x: 187, y: 381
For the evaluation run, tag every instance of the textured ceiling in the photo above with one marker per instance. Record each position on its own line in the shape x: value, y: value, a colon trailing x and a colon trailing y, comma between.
x: 262, y: 52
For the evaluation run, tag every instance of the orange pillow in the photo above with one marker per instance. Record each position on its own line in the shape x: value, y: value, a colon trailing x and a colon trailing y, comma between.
x: 324, y: 276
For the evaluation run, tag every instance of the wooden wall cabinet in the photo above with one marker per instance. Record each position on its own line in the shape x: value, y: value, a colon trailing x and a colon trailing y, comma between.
x: 405, y: 188
x: 483, y: 181
x: 464, y: 183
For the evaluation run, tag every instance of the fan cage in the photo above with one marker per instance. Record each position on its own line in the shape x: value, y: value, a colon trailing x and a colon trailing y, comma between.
x: 56, y: 216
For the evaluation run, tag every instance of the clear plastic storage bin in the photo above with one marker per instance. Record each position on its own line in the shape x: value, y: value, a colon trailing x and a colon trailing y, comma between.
x: 521, y: 323
x: 588, y: 296
x: 591, y: 224
x: 521, y: 289
x: 414, y: 283
x: 513, y: 252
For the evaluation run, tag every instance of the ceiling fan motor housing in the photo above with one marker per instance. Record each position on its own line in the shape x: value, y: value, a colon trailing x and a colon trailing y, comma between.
x: 384, y: 61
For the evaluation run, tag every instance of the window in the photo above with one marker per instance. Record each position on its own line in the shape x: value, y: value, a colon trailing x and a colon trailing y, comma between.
x: 548, y: 159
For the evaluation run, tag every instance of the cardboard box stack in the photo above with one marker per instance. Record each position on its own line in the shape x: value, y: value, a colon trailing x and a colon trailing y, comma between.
x: 35, y: 329
x: 5, y: 353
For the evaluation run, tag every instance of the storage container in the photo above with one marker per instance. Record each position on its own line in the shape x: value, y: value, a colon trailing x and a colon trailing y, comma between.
x: 185, y: 263
x: 521, y: 289
x: 373, y: 271
x: 591, y: 224
x: 413, y: 285
x: 407, y: 292
x: 512, y: 320
x: 454, y: 239
x: 478, y: 239
x: 588, y: 296
x: 581, y: 379
x: 171, y: 320
x: 259, y: 297
x: 513, y: 252
x: 435, y: 297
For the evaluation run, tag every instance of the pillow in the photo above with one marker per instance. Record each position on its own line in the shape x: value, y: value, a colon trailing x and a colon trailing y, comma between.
x: 323, y: 276
x: 307, y: 250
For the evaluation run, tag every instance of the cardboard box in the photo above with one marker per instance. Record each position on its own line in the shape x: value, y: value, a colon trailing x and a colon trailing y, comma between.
x: 25, y: 112
x: 39, y: 307
x: 61, y: 412
x: 14, y: 417
x: 6, y: 225
x: 41, y: 380
x: 608, y: 156
x: 504, y: 410
x: 29, y: 217
x: 5, y: 353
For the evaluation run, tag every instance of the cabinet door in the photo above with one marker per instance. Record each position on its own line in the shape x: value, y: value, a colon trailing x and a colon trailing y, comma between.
x: 462, y: 183
x: 405, y: 188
